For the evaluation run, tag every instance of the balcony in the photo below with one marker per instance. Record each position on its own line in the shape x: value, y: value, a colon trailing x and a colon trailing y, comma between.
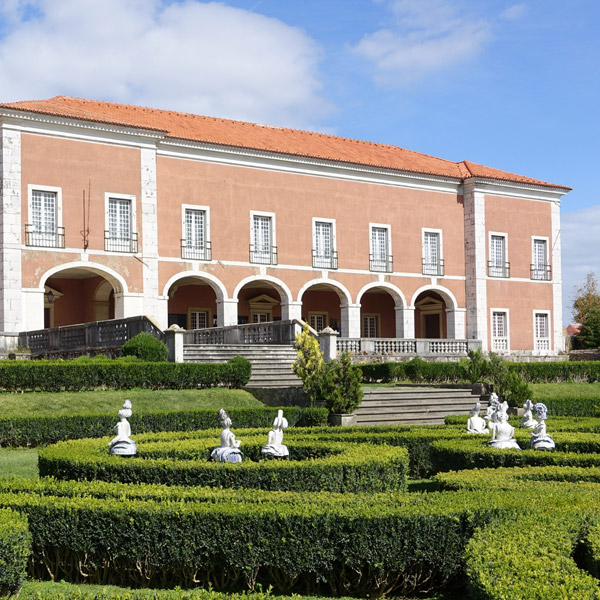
x: 381, y: 264
x: 320, y: 261
x: 541, y: 272
x: 115, y: 243
x: 433, y: 269
x: 498, y: 269
x: 54, y: 238
x: 196, y: 251
x: 263, y: 255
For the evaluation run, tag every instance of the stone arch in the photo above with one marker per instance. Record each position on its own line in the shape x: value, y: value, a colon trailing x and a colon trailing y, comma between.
x: 104, y: 301
x: 326, y: 302
x: 445, y: 293
x: 384, y: 315
x: 394, y: 291
x: 259, y: 304
x: 117, y: 281
x: 280, y: 286
x: 436, y: 310
x: 214, y: 282
x: 340, y: 289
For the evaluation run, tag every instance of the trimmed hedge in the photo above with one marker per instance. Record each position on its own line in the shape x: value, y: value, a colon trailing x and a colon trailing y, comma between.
x: 172, y: 460
x: 55, y: 376
x: 34, y: 431
x: 15, y: 542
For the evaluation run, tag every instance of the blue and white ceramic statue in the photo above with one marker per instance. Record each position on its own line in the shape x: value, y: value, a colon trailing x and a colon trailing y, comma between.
x: 121, y: 444
x: 502, y: 431
x: 527, y: 420
x: 229, y: 450
x: 540, y: 440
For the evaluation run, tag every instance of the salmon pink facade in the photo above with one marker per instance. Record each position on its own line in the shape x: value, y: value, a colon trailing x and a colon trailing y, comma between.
x: 112, y: 211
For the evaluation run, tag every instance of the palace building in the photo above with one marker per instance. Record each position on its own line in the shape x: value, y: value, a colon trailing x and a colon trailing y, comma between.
x: 111, y: 211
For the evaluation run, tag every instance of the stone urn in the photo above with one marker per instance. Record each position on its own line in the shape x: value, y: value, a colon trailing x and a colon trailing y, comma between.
x: 342, y: 419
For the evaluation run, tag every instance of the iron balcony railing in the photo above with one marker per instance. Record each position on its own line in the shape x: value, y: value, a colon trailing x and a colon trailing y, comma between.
x: 541, y: 272
x: 498, y: 269
x: 320, y: 261
x: 54, y: 238
x: 383, y: 264
x: 263, y: 255
x: 435, y: 269
x: 116, y: 243
x: 196, y: 251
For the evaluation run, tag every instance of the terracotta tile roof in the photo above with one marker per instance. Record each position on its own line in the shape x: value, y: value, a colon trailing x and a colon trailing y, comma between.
x: 260, y: 137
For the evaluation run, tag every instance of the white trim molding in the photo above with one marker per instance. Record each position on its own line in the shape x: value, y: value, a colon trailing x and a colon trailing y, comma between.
x: 542, y: 345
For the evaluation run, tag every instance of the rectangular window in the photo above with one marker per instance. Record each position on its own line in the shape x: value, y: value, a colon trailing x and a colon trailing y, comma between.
x: 195, y: 243
x: 369, y: 326
x: 119, y: 236
x: 262, y: 249
x: 432, y: 254
x: 499, y: 331
x: 43, y: 227
x: 381, y: 259
x: 198, y: 319
x: 498, y: 265
x: 318, y: 321
x: 542, y: 332
x: 540, y: 269
x: 324, y: 254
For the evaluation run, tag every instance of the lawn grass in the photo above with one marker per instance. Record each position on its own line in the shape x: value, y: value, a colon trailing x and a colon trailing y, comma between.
x: 34, y: 404
x: 19, y: 461
x: 542, y: 391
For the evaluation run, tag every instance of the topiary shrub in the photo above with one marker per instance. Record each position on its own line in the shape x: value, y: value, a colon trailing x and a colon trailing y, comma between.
x: 238, y: 372
x: 340, y: 385
x: 146, y: 347
x: 15, y: 542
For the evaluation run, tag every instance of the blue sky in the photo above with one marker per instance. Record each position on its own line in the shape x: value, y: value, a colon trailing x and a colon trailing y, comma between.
x: 513, y: 85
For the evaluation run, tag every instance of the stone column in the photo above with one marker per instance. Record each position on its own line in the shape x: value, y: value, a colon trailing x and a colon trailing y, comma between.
x: 291, y: 310
x: 227, y: 312
x: 559, y: 341
x: 455, y: 323
x: 33, y: 309
x: 405, y: 322
x: 350, y: 320
x: 327, y: 343
x: 174, y: 342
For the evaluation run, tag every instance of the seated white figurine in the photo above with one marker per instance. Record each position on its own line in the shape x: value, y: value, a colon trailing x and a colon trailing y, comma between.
x: 493, y: 408
x: 228, y: 451
x: 274, y: 445
x: 540, y: 440
x: 502, y: 433
x: 121, y: 444
x: 528, y: 421
x: 476, y: 424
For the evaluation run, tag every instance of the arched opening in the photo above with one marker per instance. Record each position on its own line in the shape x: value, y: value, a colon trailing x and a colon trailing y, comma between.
x: 430, y: 316
x: 259, y: 301
x: 322, y: 306
x: 192, y: 303
x: 78, y: 295
x: 378, y: 314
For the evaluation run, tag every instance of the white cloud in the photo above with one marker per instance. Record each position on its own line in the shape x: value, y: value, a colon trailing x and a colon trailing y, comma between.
x: 424, y: 37
x: 200, y: 57
x: 514, y: 12
x: 580, y: 255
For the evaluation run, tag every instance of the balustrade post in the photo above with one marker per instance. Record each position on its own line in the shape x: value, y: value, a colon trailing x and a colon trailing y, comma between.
x: 422, y: 347
x: 174, y: 342
x: 327, y: 343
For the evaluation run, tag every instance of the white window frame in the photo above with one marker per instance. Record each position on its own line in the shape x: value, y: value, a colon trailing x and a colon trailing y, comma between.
x: 540, y: 238
x: 542, y: 345
x: 377, y: 318
x: 206, y: 209
x: 58, y: 215
x: 316, y: 220
x: 388, y: 227
x: 132, y: 214
x: 507, y: 325
x: 313, y: 314
x: 273, y: 233
x: 438, y: 232
x: 505, y: 236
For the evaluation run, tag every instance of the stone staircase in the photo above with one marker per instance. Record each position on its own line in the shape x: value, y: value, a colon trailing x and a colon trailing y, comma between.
x: 271, y: 364
x: 405, y: 405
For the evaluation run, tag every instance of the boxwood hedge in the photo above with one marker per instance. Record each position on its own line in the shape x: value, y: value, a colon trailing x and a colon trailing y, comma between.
x: 15, y: 542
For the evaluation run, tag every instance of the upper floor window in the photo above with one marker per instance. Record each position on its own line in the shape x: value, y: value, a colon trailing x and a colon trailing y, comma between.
x: 195, y: 243
x: 540, y: 268
x: 262, y: 247
x: 541, y: 331
x: 433, y: 263
x: 500, y: 341
x: 380, y: 258
x: 324, y: 255
x: 119, y: 235
x: 44, y: 228
x: 498, y: 266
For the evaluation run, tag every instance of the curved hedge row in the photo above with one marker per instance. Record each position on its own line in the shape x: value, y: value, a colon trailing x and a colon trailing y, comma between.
x: 33, y: 431
x: 313, y: 466
x: 15, y: 543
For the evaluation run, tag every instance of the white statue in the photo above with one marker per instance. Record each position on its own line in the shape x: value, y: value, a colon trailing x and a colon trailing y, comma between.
x: 502, y: 432
x: 121, y: 444
x: 228, y: 451
x: 476, y: 424
x: 528, y: 421
x: 491, y: 413
x: 540, y: 440
x: 274, y: 445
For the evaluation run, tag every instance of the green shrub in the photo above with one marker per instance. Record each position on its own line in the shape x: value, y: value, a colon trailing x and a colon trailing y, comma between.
x: 146, y: 347
x: 308, y: 364
x: 475, y: 368
x: 238, y: 372
x: 15, y: 542
x: 340, y: 385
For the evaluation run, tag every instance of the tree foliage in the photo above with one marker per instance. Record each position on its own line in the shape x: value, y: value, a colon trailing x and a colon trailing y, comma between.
x: 587, y: 296
x: 308, y: 364
x: 589, y: 332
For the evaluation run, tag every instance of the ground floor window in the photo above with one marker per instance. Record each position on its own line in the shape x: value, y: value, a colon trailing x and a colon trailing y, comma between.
x: 370, y: 326
x: 198, y: 318
x: 499, y: 331
x: 541, y: 332
x: 318, y: 321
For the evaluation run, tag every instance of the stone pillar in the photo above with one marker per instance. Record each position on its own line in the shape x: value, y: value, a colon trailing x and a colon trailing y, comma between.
x: 174, y: 341
x: 33, y: 309
x: 350, y: 320
x: 327, y: 343
x: 11, y: 313
x: 227, y: 312
x: 475, y: 264
x: 128, y: 305
x: 559, y: 341
x: 291, y: 310
x: 455, y: 323
x: 405, y: 322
